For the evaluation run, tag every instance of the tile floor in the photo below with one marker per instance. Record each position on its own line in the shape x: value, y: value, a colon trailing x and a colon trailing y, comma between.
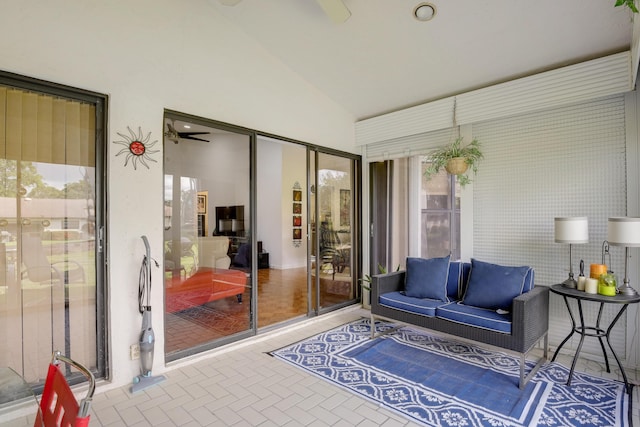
x: 241, y: 385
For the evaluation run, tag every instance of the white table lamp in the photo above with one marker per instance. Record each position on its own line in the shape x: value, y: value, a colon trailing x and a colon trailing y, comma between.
x: 571, y: 230
x: 624, y: 231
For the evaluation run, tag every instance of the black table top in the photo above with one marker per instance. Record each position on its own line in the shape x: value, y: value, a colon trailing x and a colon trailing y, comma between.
x: 574, y: 293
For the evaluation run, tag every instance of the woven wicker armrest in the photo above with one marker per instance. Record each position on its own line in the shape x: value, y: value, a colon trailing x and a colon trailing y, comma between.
x: 530, y: 317
x: 383, y: 283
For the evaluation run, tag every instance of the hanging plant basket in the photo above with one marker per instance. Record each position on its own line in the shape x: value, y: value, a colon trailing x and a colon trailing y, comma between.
x: 457, y: 165
x: 456, y: 159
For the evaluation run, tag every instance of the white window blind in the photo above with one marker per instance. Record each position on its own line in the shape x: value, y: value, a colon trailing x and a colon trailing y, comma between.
x: 568, y: 161
x: 597, y: 78
x: 46, y: 129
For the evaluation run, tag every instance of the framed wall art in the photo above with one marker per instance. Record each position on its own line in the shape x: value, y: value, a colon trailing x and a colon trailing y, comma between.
x: 296, y: 196
x: 202, y: 202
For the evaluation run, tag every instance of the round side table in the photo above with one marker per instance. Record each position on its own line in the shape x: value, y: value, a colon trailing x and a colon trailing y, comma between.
x: 593, y: 331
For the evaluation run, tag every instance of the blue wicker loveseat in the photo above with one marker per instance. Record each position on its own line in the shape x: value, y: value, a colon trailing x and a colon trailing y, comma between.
x: 486, y: 303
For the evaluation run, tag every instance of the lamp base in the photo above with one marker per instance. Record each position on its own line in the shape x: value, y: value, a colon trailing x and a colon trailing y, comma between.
x: 627, y: 290
x: 570, y: 283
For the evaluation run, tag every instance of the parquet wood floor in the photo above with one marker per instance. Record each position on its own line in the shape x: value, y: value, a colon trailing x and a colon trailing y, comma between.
x: 282, y: 295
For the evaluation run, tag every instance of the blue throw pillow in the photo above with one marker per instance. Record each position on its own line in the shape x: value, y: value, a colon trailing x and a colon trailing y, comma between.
x: 458, y: 277
x: 453, y: 282
x: 427, y: 278
x: 495, y: 286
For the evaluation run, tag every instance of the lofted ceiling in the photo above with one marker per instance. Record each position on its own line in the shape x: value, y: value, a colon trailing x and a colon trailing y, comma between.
x: 382, y: 59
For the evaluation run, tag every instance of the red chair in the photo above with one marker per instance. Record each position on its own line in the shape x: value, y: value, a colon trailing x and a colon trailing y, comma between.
x: 58, y: 405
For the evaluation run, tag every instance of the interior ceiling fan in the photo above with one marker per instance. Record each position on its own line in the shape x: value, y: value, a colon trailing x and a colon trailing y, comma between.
x: 335, y: 9
x: 173, y: 135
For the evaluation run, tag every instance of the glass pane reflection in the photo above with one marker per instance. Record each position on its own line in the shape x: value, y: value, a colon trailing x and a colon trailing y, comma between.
x: 206, y: 221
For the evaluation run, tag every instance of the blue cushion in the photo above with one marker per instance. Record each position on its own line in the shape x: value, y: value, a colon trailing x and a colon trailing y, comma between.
x: 427, y: 278
x: 478, y: 317
x: 528, y: 281
x: 400, y: 301
x: 453, y: 282
x: 457, y: 282
x: 495, y: 286
x: 464, y: 279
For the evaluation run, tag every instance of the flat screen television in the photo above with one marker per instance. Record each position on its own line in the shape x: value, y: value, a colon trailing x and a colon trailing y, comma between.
x: 230, y: 220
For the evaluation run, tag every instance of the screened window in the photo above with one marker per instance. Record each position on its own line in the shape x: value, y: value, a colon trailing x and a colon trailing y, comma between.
x: 439, y: 214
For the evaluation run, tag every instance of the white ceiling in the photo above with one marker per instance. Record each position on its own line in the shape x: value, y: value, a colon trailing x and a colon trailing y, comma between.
x: 382, y: 59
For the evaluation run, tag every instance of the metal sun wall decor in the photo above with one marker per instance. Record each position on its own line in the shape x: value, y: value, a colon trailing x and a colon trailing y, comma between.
x: 297, y: 215
x: 137, y: 148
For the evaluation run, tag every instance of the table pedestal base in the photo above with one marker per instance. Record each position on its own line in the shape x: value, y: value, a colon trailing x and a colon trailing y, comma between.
x: 592, y: 331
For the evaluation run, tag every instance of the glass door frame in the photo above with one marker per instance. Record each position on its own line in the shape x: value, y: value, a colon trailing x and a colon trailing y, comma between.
x: 313, y: 278
x: 100, y: 101
x: 312, y: 150
x: 252, y: 330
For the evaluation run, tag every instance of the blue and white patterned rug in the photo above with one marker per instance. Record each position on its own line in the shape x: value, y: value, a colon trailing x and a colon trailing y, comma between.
x: 436, y: 381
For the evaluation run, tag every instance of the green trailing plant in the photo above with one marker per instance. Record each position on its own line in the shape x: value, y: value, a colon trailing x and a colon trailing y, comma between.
x: 631, y: 4
x: 470, y: 152
x: 365, y: 282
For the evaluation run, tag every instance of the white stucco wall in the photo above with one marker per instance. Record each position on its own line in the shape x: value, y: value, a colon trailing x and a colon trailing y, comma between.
x: 148, y: 55
x: 269, y: 176
x: 280, y: 166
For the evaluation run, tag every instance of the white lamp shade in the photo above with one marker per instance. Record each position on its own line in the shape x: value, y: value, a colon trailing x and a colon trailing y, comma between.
x: 571, y: 229
x: 623, y: 231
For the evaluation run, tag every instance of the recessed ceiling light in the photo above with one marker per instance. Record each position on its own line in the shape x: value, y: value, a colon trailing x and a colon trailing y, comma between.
x: 187, y: 127
x: 424, y: 12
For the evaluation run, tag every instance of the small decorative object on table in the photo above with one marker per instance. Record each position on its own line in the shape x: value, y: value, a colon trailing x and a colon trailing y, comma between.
x: 581, y: 279
x: 607, y: 285
x: 571, y: 230
x: 597, y: 270
x: 591, y: 286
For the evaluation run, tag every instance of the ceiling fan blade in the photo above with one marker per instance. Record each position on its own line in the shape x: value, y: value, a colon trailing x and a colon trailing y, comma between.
x: 335, y: 10
x: 186, y: 134
x: 194, y: 138
x: 190, y: 135
x: 173, y: 135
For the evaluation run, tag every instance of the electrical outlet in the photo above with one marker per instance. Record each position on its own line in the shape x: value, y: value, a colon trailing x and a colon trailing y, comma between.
x: 134, y: 351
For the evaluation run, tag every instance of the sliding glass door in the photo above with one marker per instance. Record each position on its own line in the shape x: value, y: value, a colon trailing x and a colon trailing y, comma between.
x: 50, y: 293
x: 281, y: 233
x: 207, y: 210
x: 259, y: 232
x: 306, y: 231
x: 333, y: 231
